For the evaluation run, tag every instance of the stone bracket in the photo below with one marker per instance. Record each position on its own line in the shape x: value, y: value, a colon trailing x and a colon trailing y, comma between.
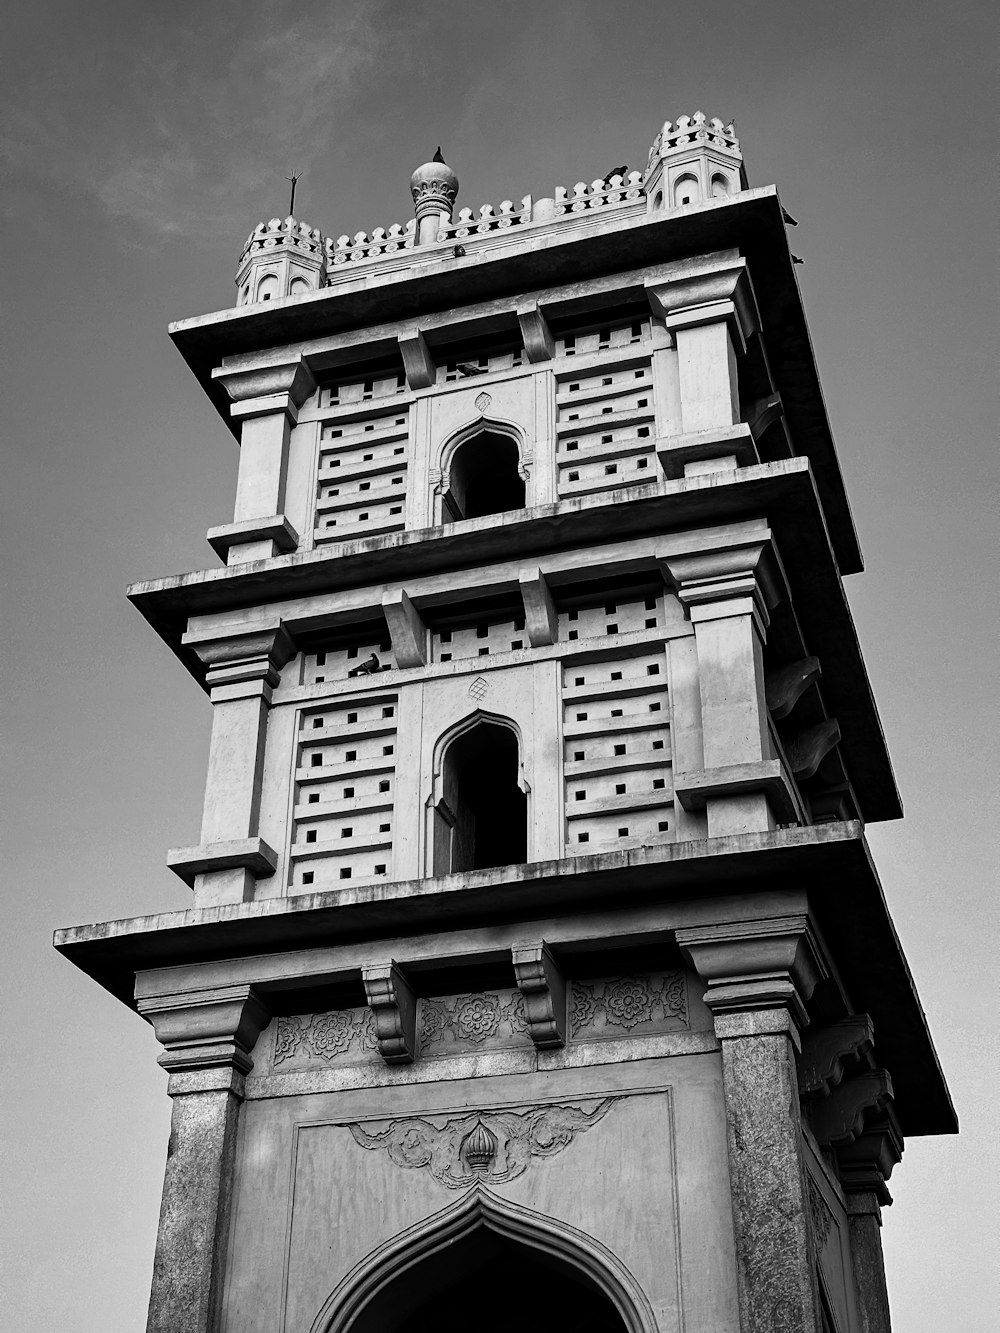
x: 807, y: 749
x: 785, y: 686
x: 539, y: 344
x: 763, y: 413
x: 837, y: 1119
x: 205, y: 1029
x: 541, y: 621
x: 276, y: 529
x: 720, y: 291
x: 251, y: 854
x: 829, y: 1052
x: 544, y: 989
x: 865, y: 1164
x: 394, y: 1007
x: 421, y: 372
x: 406, y: 629
x: 719, y: 443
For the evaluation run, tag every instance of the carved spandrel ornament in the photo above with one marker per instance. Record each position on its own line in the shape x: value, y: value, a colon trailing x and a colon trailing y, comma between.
x: 490, y: 1147
x: 629, y: 1006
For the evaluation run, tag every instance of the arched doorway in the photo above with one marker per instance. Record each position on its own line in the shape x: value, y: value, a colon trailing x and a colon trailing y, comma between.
x: 481, y: 818
x: 484, y: 477
x: 488, y: 1264
x: 491, y: 1284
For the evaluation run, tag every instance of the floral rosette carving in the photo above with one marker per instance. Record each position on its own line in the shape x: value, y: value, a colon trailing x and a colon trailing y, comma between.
x: 325, y: 1036
x: 628, y: 1002
x: 331, y: 1033
x: 478, y: 1017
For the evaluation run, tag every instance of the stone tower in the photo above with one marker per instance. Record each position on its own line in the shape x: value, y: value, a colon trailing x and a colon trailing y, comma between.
x: 536, y: 968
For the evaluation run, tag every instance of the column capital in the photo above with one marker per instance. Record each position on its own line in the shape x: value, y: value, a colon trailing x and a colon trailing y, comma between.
x: 242, y: 658
x: 267, y: 389
x: 754, y: 968
x: 708, y: 582
x: 211, y: 1029
x: 707, y: 294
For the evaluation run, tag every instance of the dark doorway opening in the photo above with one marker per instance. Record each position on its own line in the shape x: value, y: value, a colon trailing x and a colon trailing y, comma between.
x: 482, y: 819
x: 484, y: 478
x: 492, y: 1284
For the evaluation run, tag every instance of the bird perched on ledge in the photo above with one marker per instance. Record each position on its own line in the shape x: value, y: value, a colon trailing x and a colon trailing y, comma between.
x: 616, y: 171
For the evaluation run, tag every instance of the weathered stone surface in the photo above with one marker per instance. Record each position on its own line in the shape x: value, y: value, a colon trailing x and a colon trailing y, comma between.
x: 189, y: 1267
x: 869, y: 1268
x: 770, y: 1206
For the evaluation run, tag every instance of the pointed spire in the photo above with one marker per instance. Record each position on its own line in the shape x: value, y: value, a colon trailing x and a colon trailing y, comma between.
x: 438, y: 156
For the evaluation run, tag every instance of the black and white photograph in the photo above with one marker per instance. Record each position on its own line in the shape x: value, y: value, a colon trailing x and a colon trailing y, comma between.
x: 500, y: 727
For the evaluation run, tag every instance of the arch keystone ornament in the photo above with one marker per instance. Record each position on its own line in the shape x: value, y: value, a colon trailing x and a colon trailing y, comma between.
x: 351, y: 1305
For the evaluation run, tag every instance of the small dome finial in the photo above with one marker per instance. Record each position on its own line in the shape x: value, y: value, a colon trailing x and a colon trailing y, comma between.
x: 438, y: 155
x: 434, y: 187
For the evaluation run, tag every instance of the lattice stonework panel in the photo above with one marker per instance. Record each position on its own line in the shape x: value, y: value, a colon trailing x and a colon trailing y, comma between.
x: 344, y: 782
x: 361, y: 475
x: 606, y: 427
x: 616, y: 735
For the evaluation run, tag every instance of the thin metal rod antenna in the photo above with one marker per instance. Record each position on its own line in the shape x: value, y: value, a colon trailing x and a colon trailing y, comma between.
x: 295, y: 177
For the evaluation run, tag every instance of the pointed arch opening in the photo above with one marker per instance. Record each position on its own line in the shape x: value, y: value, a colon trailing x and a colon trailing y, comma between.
x: 488, y: 1264
x: 484, y: 476
x: 481, y: 811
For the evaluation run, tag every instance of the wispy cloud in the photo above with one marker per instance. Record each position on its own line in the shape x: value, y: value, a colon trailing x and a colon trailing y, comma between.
x: 171, y: 139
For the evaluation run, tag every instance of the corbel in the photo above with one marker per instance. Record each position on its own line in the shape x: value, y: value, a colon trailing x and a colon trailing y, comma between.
x: 865, y: 1164
x: 541, y: 620
x: 785, y: 686
x: 406, y: 629
x: 807, y: 749
x: 831, y: 1051
x: 394, y: 1008
x: 544, y: 989
x: 763, y: 413
x: 421, y: 372
x: 838, y: 1119
x: 205, y: 1030
x: 539, y: 344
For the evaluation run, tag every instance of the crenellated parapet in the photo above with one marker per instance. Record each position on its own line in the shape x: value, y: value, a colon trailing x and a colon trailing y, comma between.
x: 283, y: 257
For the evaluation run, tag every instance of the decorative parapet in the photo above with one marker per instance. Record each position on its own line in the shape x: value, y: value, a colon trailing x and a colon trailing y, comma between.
x: 690, y: 130
x: 347, y: 249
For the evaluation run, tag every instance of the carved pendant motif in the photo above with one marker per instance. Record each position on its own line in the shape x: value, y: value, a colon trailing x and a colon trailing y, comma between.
x: 488, y: 1146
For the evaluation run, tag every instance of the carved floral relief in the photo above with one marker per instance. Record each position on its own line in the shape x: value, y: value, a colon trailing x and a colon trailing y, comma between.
x: 629, y: 1006
x: 456, y: 1023
x: 487, y: 1146
x: 327, y: 1037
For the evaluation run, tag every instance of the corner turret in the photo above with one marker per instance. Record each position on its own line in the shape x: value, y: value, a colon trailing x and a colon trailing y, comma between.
x: 694, y: 160
x: 280, y: 258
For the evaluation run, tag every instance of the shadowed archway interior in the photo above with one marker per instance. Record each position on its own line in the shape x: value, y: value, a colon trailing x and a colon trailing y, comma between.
x: 484, y: 477
x: 493, y: 1284
x: 483, y: 819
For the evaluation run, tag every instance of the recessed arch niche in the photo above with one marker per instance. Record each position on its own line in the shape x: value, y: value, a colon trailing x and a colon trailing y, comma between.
x: 479, y: 802
x: 482, y: 472
x: 488, y: 1264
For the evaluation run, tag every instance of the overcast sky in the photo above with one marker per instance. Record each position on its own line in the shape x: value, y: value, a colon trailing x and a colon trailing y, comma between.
x: 141, y: 143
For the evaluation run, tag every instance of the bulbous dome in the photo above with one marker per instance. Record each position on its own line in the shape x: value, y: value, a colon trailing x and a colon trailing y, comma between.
x: 434, y: 185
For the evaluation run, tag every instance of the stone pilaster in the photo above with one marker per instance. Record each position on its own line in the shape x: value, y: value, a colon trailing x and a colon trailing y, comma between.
x: 865, y: 1221
x: 759, y: 976
x: 266, y: 402
x: 242, y: 672
x: 710, y: 311
x: 208, y: 1036
x: 728, y: 592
